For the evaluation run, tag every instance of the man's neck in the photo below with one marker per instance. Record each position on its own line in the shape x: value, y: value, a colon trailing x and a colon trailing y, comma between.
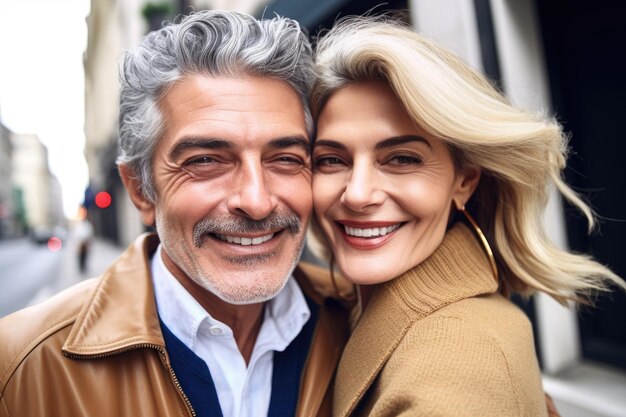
x: 244, y: 320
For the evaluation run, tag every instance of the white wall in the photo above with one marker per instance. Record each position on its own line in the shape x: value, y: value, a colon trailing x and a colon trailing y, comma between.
x: 525, y: 82
x: 452, y: 23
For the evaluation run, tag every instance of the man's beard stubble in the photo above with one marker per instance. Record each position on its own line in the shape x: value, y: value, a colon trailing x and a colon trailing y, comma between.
x: 234, y: 225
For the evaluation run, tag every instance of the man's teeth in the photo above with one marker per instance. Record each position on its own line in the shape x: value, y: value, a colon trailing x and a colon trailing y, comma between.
x: 370, y: 232
x: 245, y: 241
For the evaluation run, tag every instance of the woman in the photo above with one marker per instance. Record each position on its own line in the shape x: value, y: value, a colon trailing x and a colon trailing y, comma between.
x: 410, y: 141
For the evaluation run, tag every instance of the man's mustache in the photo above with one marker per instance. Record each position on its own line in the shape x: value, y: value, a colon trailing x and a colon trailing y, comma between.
x: 234, y: 225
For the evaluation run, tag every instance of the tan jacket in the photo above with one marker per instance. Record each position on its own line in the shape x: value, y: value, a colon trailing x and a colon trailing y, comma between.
x: 97, y: 349
x: 439, y: 341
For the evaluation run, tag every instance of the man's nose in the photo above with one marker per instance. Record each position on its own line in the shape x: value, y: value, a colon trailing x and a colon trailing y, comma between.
x: 252, y: 193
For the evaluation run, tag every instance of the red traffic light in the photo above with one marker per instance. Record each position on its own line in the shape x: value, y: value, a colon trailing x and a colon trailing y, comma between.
x: 103, y: 199
x: 54, y: 244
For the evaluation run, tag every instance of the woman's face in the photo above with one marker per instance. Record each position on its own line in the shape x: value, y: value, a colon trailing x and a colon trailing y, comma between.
x: 383, y: 188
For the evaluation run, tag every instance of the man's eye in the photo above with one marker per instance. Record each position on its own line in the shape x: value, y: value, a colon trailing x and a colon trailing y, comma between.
x: 199, y: 160
x: 288, y: 163
x: 285, y: 159
x: 206, y: 166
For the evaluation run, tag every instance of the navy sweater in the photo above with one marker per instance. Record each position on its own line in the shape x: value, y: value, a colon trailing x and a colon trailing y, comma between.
x: 195, y: 379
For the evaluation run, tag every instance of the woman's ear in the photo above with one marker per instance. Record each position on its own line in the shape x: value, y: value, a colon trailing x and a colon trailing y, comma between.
x: 133, y: 188
x: 466, y: 183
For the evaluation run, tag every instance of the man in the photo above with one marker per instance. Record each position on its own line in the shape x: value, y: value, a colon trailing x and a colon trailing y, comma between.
x: 208, y: 316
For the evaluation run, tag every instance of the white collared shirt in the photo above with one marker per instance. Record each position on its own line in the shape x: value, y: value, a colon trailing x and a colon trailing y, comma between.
x: 242, y: 391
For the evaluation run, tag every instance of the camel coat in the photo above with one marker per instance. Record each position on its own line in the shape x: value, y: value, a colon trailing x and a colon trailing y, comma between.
x: 440, y: 341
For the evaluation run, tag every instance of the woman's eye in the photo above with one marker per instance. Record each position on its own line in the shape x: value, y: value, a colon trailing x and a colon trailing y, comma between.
x: 404, y: 160
x: 328, y: 161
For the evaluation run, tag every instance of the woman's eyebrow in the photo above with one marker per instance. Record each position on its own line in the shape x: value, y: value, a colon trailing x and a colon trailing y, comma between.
x: 330, y: 143
x: 401, y: 140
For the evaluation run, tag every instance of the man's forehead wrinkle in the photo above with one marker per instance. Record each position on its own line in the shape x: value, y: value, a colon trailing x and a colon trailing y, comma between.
x: 228, y: 95
x: 234, y: 105
x: 247, y: 121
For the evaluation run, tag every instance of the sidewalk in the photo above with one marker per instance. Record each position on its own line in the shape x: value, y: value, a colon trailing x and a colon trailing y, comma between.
x: 101, y: 254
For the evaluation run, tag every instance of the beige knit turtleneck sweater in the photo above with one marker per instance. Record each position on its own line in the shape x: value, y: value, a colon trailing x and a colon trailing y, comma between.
x: 439, y: 341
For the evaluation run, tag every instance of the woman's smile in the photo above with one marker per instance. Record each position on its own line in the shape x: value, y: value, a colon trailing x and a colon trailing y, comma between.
x: 367, y: 235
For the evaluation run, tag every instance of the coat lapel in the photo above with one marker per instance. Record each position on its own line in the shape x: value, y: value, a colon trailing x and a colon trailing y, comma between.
x: 380, y: 329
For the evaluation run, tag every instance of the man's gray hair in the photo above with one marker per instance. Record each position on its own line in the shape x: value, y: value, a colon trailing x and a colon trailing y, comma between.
x: 212, y: 43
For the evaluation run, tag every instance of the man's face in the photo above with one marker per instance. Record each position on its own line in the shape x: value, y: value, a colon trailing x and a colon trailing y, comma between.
x: 233, y: 179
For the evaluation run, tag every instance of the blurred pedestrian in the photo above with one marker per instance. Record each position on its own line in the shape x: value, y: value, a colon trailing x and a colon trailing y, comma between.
x: 83, y: 233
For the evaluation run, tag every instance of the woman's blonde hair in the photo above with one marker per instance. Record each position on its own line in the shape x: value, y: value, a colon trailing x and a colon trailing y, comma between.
x: 521, y: 154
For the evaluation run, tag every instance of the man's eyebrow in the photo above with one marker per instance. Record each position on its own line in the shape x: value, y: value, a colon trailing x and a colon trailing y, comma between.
x: 288, y: 141
x: 197, y: 142
x: 330, y: 143
x: 401, y: 140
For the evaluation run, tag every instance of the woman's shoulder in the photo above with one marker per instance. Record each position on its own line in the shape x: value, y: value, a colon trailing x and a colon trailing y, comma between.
x: 492, y: 313
x: 471, y: 350
x: 487, y: 320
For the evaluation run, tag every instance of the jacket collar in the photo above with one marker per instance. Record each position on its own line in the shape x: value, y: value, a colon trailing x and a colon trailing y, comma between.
x: 458, y: 269
x: 121, y: 313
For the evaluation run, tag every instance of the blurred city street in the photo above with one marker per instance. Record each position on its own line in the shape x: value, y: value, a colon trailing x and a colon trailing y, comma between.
x: 59, y: 143
x: 31, y: 272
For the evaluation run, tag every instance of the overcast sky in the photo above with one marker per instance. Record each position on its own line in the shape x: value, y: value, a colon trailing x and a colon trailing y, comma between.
x: 42, y: 83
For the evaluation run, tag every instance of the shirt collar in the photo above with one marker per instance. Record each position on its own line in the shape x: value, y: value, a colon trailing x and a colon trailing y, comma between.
x: 284, y: 315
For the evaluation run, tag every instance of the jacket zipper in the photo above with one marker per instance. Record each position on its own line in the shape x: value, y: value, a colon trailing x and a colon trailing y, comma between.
x: 306, y: 364
x: 163, y: 356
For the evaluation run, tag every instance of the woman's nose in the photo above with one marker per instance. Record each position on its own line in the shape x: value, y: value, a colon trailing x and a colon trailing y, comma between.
x: 362, y: 190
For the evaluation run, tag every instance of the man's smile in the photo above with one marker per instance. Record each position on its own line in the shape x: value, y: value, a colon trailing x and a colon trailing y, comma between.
x: 243, y: 240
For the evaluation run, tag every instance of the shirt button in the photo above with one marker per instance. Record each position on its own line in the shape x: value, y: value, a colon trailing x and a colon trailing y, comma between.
x: 215, y: 330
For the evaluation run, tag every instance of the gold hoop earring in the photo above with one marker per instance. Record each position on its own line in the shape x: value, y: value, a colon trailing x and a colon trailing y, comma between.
x: 483, y: 240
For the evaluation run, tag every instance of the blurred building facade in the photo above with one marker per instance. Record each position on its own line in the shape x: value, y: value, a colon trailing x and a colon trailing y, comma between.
x: 113, y: 26
x: 542, y: 60
x: 9, y: 219
x: 31, y: 178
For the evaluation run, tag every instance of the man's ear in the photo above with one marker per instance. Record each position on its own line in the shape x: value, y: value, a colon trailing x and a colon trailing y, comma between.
x: 133, y: 187
x: 467, y: 182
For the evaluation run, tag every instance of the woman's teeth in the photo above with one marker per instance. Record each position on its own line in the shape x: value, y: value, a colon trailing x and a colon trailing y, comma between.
x: 244, y: 241
x: 370, y: 232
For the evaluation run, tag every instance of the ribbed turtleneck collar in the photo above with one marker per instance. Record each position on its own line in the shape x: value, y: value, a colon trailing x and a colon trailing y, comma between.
x: 458, y: 269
